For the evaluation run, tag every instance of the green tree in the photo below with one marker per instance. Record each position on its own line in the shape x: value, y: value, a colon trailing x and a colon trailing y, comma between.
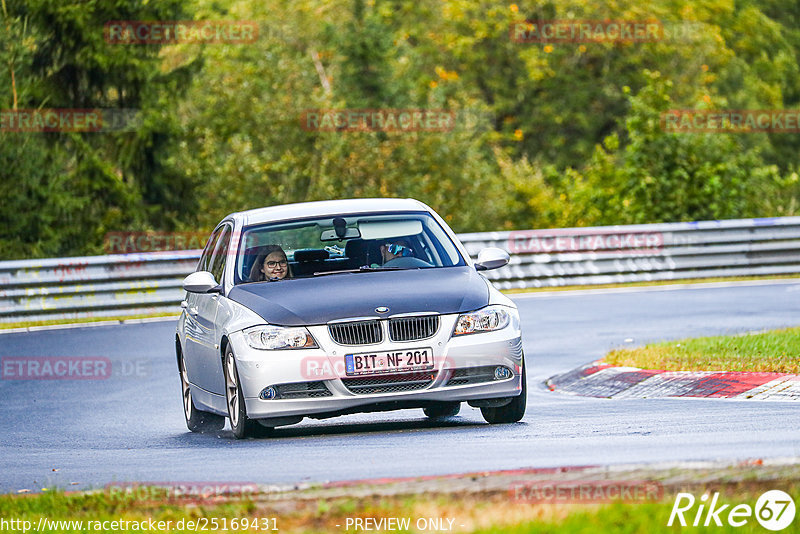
x: 95, y: 181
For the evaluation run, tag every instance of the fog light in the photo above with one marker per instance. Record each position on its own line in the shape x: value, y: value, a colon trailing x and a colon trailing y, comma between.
x: 501, y: 373
x: 268, y: 393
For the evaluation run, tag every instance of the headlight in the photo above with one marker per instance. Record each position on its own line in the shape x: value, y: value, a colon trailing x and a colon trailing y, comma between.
x: 484, y: 320
x: 268, y: 337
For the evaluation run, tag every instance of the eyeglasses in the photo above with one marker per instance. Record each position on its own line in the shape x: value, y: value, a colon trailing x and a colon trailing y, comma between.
x: 273, y: 264
x: 396, y: 248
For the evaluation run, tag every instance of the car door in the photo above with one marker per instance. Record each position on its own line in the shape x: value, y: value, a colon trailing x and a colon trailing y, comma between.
x: 199, y: 332
x: 208, y: 362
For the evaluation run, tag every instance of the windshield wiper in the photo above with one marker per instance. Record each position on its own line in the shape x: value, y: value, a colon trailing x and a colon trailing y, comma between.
x: 364, y: 269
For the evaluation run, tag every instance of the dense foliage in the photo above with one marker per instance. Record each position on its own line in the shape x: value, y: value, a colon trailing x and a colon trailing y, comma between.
x: 564, y: 134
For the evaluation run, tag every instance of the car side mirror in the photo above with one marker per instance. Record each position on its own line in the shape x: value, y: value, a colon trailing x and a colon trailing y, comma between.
x: 491, y: 258
x: 201, y: 282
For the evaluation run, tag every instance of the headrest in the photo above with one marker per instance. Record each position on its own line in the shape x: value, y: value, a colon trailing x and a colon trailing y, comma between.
x: 311, y: 254
x: 354, y: 247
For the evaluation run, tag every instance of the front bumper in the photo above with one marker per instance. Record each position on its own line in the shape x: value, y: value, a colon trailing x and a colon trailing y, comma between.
x: 462, y: 371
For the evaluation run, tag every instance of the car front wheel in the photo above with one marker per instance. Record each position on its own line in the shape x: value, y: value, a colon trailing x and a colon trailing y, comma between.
x: 514, y: 410
x: 237, y: 411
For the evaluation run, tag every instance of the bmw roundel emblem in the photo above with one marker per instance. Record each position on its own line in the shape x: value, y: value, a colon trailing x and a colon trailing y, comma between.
x: 381, y: 309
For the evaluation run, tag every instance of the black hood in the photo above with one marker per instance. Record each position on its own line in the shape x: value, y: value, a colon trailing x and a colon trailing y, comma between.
x: 310, y: 301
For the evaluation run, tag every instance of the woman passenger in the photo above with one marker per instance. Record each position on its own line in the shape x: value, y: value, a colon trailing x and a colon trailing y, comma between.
x: 271, y: 264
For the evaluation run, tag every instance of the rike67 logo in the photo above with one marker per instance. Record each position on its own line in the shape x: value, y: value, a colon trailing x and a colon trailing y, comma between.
x: 774, y: 510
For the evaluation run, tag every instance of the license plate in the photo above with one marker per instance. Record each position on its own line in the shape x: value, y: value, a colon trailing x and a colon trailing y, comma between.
x: 392, y: 361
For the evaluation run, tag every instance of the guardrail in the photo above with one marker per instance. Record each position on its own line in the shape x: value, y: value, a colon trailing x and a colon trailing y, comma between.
x: 644, y: 252
x: 94, y: 286
x: 126, y: 284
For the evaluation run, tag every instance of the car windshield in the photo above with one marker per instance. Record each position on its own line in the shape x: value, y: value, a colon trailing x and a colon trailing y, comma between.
x: 343, y: 244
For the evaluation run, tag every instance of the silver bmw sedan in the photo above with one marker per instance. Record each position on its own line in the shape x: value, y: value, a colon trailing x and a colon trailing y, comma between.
x: 322, y: 309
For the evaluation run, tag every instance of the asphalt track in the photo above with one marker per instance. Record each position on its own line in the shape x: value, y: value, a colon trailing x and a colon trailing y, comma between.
x: 129, y: 427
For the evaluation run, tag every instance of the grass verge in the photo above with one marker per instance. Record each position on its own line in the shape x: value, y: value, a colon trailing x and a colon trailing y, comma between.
x: 772, y: 351
x: 80, y: 321
x: 471, y: 504
x: 651, y: 283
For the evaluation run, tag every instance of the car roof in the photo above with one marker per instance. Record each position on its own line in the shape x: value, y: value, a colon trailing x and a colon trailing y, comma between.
x: 326, y: 208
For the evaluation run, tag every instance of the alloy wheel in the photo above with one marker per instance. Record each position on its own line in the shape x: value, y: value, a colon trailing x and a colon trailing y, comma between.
x: 232, y: 389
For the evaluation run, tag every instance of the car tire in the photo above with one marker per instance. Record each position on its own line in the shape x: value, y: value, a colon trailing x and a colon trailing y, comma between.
x: 237, y: 411
x: 196, y: 420
x: 442, y: 409
x: 512, y: 412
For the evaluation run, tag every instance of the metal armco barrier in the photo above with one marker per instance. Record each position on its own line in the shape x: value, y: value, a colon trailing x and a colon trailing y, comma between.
x: 94, y: 286
x: 125, y: 284
x: 643, y: 252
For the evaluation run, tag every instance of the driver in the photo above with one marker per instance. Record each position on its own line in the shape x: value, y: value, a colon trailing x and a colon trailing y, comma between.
x: 398, y: 253
x: 395, y: 249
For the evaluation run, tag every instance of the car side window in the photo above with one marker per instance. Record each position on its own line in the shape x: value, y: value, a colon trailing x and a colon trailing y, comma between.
x: 221, y: 253
x: 205, y: 258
